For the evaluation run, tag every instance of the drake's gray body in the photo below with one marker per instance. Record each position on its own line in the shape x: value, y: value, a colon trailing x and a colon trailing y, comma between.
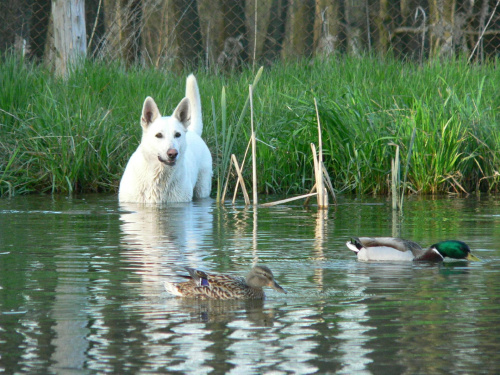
x: 398, y: 249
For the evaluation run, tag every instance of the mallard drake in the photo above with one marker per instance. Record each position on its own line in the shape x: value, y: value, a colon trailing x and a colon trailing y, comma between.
x: 389, y: 248
x: 206, y: 285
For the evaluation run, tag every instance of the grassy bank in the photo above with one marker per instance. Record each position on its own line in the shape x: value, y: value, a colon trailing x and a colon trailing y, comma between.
x: 77, y: 135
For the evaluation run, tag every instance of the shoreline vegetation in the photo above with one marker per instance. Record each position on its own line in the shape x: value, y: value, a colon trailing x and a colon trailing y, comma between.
x: 76, y: 135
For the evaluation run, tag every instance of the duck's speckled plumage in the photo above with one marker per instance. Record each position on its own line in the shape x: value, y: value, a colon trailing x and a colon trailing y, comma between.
x: 390, y: 248
x: 206, y: 285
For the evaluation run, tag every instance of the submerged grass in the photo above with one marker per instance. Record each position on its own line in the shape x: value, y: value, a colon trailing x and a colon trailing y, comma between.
x: 77, y: 135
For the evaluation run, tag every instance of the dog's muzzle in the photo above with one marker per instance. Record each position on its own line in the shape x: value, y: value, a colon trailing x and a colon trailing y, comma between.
x: 171, y: 157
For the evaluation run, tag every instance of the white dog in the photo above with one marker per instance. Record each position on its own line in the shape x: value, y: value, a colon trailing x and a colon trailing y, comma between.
x: 172, y: 162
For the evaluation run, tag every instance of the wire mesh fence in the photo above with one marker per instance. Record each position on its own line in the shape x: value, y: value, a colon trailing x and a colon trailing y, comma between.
x: 229, y: 33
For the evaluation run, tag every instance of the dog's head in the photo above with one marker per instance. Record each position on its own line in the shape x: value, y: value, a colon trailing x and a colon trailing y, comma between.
x: 164, y: 138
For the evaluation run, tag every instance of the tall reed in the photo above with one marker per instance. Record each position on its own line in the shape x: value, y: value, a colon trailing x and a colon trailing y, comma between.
x: 228, y: 135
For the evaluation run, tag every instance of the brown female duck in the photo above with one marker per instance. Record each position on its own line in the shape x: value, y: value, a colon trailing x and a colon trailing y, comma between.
x: 206, y: 285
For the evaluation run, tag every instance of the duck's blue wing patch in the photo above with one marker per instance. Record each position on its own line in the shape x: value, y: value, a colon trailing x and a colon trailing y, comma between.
x: 204, y: 282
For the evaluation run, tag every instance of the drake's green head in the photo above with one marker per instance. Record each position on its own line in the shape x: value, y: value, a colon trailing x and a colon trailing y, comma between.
x: 454, y: 249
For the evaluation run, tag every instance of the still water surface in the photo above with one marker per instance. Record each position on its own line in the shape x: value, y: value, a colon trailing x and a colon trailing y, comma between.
x: 81, y: 289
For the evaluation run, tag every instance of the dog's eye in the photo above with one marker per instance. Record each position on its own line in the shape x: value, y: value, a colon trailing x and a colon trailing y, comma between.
x: 159, y: 135
x: 177, y: 135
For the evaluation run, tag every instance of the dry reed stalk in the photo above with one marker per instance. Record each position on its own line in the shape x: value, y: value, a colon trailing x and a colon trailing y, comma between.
x: 240, y: 178
x: 397, y: 188
x: 407, y: 168
x: 320, y: 188
x: 254, y: 156
x: 242, y: 167
x: 456, y: 184
x: 227, y: 181
x: 318, y: 166
x: 395, y: 180
x: 269, y: 204
x: 229, y: 175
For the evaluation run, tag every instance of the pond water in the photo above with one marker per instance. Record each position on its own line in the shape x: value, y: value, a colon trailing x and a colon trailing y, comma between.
x: 81, y: 288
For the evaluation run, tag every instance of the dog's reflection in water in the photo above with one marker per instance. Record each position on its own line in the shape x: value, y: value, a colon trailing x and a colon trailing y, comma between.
x: 158, y: 240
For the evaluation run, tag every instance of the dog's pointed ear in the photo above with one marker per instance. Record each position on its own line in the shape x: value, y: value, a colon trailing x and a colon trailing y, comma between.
x: 150, y: 112
x: 183, y: 112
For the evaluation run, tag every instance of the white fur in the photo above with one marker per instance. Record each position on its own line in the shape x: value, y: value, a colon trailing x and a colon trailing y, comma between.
x: 151, y: 176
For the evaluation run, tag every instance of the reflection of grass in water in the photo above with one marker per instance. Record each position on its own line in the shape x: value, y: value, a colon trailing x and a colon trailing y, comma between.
x: 77, y: 135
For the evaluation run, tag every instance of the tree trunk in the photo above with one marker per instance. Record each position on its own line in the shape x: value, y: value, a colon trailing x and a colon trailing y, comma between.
x: 70, y: 39
x: 275, y: 35
x: 188, y: 33
x: 13, y: 27
x: 234, y: 51
x: 132, y: 31
x: 355, y: 16
x: 442, y: 15
x: 211, y: 26
x: 326, y: 27
x: 158, y: 34
x: 482, y: 23
x: 234, y: 18
x: 39, y: 29
x: 94, y: 12
x: 300, y: 28
x: 383, y: 20
x: 123, y: 30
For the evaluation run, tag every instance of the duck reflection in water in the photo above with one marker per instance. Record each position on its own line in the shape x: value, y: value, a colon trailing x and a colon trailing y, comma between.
x: 156, y: 239
x: 252, y: 311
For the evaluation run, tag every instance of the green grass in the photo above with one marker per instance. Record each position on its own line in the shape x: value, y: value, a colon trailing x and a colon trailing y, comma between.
x: 77, y: 135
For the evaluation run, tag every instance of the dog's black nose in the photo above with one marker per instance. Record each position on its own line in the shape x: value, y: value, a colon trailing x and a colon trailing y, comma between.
x: 172, y: 153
